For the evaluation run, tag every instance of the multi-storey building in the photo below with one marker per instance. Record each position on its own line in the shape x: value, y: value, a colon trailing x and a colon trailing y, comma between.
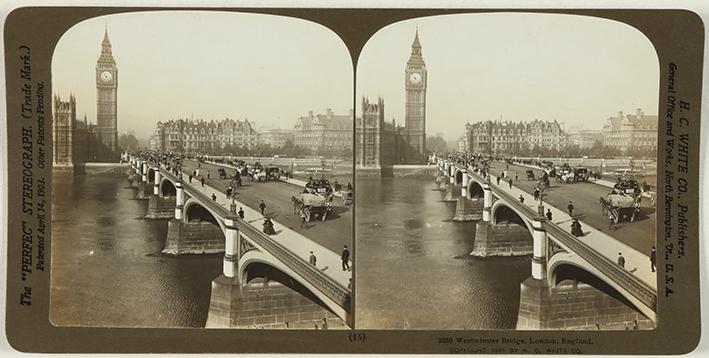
x: 625, y: 132
x: 327, y: 131
x: 378, y: 142
x: 512, y: 137
x: 74, y: 141
x: 187, y: 135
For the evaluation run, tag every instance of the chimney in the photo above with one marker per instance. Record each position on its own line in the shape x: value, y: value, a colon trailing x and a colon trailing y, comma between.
x: 620, y: 114
x: 310, y: 114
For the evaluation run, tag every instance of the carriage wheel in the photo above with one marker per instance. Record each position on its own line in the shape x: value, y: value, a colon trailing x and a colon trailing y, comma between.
x: 307, y: 214
x: 616, y: 216
x: 324, y: 215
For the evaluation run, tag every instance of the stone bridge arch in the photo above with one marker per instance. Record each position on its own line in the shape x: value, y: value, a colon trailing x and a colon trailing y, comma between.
x: 561, y: 261
x: 195, y: 209
x: 475, y: 190
x: 501, y: 210
x: 259, y: 256
x: 459, y: 176
x: 151, y: 175
x: 167, y: 187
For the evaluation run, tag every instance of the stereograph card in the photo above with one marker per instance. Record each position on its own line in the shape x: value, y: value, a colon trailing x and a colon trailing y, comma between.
x: 350, y: 180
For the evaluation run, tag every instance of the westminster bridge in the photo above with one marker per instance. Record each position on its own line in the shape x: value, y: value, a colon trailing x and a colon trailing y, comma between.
x: 248, y: 252
x: 511, y: 222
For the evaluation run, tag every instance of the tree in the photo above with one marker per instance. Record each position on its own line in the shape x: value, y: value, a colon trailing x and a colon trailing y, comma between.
x: 437, y: 144
x: 128, y: 142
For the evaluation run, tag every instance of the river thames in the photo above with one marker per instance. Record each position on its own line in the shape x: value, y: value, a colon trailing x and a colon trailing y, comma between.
x: 413, y: 268
x: 107, y: 266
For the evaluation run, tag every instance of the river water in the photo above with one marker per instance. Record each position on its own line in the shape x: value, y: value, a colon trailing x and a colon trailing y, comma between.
x: 107, y: 269
x: 413, y: 268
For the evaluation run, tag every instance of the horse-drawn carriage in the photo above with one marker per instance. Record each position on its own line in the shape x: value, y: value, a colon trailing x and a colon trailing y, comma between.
x: 273, y: 173
x: 622, y: 206
x: 530, y: 174
x: 566, y: 174
x: 315, y: 201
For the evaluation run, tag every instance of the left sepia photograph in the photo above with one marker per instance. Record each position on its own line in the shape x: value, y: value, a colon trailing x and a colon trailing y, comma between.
x: 203, y: 170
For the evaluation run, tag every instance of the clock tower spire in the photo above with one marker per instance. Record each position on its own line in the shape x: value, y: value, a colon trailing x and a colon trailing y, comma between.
x: 416, y: 79
x: 106, y: 102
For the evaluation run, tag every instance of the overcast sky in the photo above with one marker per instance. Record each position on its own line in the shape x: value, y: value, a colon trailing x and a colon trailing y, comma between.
x: 210, y: 65
x: 575, y: 69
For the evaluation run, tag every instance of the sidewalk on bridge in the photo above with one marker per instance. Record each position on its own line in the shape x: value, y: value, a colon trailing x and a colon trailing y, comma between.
x: 636, y: 262
x: 327, y: 261
x: 603, y: 182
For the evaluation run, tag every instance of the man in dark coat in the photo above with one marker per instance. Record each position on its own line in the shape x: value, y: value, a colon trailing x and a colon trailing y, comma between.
x: 345, y: 259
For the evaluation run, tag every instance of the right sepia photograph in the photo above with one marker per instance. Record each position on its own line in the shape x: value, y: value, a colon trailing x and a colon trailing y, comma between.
x: 506, y: 174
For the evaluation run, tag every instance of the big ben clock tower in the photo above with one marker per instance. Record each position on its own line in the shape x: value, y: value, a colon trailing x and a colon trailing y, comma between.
x: 415, y: 115
x: 106, y: 102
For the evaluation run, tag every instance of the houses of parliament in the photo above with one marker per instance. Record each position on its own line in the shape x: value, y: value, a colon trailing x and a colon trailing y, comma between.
x: 76, y: 141
x: 380, y: 143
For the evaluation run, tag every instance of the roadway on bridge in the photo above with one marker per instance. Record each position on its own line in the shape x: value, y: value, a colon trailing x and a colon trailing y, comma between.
x: 639, y: 234
x: 333, y: 233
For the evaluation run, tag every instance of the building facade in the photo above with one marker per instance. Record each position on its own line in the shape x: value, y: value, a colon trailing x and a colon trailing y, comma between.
x: 107, y: 102
x: 199, y: 136
x: 74, y: 142
x: 415, y: 83
x: 508, y: 137
x: 378, y: 142
x: 327, y: 131
x: 626, y: 132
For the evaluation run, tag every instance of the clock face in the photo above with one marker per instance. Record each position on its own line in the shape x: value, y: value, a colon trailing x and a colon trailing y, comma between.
x: 106, y: 76
x: 415, y: 78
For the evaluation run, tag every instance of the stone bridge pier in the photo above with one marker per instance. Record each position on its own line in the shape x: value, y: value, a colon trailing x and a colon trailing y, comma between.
x: 144, y: 188
x: 193, y: 229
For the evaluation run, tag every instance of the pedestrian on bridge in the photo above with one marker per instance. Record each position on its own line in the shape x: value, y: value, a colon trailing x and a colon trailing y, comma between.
x: 536, y: 193
x: 214, y: 197
x: 208, y: 174
x: 262, y: 206
x: 653, y: 259
x: 498, y: 180
x: 611, y: 219
x: 190, y: 177
x: 241, y: 213
x: 621, y: 260
x: 312, y: 259
x: 345, y: 259
x: 548, y: 214
x: 570, y: 207
x: 202, y: 180
x: 516, y: 177
x: 521, y: 199
x: 510, y: 181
